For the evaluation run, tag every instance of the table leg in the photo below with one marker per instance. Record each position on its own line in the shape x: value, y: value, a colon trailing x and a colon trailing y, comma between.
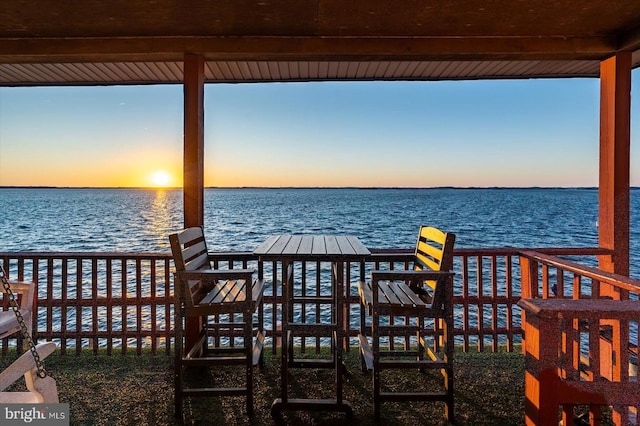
x: 284, y: 346
x: 337, y: 404
x: 338, y: 335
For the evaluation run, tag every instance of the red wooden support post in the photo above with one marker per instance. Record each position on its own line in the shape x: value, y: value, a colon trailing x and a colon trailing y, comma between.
x: 193, y: 158
x: 529, y: 278
x: 613, y: 218
x: 615, y: 122
x: 528, y: 288
x: 541, y: 363
x: 193, y: 140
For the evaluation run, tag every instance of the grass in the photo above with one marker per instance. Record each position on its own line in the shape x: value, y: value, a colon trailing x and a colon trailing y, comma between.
x: 138, y: 390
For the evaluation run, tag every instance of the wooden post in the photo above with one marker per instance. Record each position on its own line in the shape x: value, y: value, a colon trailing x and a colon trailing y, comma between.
x: 193, y: 183
x: 193, y: 140
x: 541, y: 360
x: 615, y: 121
x: 528, y: 289
x: 613, y: 217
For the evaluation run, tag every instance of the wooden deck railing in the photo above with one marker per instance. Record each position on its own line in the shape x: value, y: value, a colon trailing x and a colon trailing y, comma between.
x: 97, y: 300
x: 124, y: 301
x: 581, y: 329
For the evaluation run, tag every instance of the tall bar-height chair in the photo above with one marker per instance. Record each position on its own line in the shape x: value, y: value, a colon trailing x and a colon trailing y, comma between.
x: 422, y: 299
x: 216, y: 298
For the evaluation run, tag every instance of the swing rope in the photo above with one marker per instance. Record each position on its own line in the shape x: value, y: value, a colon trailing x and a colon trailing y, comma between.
x: 13, y: 303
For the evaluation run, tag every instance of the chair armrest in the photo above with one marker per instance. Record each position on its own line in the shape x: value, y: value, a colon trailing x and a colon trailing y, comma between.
x: 20, y: 366
x: 26, y: 289
x: 217, y: 274
x: 408, y: 275
x: 19, y: 286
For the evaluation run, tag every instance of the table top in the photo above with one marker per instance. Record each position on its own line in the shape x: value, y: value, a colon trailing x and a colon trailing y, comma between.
x: 312, y: 247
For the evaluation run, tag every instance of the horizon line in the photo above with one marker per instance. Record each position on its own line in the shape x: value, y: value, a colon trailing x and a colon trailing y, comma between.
x: 172, y: 188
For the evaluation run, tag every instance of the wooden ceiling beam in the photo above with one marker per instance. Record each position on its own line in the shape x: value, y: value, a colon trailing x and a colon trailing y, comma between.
x: 629, y: 40
x: 123, y: 49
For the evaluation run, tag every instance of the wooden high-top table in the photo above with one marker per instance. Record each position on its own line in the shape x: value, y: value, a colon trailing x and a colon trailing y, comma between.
x: 288, y: 249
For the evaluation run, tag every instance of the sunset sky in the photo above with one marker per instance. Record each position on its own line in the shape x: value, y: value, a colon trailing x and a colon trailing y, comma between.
x: 406, y: 134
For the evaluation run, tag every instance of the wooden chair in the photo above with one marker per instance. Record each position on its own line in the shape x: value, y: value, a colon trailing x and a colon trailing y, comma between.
x: 8, y: 322
x: 416, y: 297
x: 210, y: 301
x: 39, y: 389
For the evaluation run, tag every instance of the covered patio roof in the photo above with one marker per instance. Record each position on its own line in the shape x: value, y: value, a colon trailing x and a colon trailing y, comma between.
x: 144, y: 42
x: 98, y: 42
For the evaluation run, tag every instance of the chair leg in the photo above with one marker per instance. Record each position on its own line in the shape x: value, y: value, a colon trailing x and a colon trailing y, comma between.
x: 376, y: 393
x: 261, y: 330
x: 363, y: 365
x: 177, y: 365
x: 248, y: 344
x: 375, y: 324
x: 449, y: 351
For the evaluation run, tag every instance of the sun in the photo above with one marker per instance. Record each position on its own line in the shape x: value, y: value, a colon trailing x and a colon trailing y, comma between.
x: 160, y: 178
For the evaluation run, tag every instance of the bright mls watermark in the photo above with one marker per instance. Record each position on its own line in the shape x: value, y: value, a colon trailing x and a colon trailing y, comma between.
x: 34, y: 414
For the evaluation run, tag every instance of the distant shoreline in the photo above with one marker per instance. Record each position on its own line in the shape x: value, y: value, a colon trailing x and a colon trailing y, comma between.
x: 304, y: 187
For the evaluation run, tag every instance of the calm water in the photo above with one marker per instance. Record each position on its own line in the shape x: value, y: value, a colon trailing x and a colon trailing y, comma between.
x: 239, y: 219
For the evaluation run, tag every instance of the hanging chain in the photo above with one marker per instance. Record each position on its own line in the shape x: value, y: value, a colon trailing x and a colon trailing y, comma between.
x: 13, y: 303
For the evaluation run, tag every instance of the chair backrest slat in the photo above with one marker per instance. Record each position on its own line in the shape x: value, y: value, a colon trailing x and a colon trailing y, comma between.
x: 189, y: 249
x: 434, y: 251
x: 196, y: 257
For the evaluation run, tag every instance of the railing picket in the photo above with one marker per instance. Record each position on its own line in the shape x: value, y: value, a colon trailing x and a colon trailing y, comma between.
x: 480, y: 290
x: 63, y: 308
x: 123, y: 295
x: 508, y: 295
x: 168, y: 297
x: 154, y: 314
x: 109, y: 303
x: 494, y: 304
x: 465, y: 303
x: 79, y: 297
x: 545, y: 281
x: 94, y: 304
x: 138, y: 308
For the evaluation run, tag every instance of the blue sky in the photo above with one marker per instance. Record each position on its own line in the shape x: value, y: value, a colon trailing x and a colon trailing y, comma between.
x: 459, y: 133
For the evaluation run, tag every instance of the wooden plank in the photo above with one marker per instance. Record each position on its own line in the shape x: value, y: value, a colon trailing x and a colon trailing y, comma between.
x: 364, y: 290
x: 233, y: 291
x: 278, y: 246
x: 194, y: 263
x: 212, y: 296
x: 318, y: 247
x: 306, y: 244
x: 264, y: 247
x: 577, y: 308
x: 257, y: 347
x: 346, y: 249
x: 257, y: 288
x: 433, y: 234
x: 429, y: 250
x: 293, y: 245
x: 386, y: 294
x: 190, y: 234
x: 358, y: 246
x: 331, y: 245
x: 365, y: 349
